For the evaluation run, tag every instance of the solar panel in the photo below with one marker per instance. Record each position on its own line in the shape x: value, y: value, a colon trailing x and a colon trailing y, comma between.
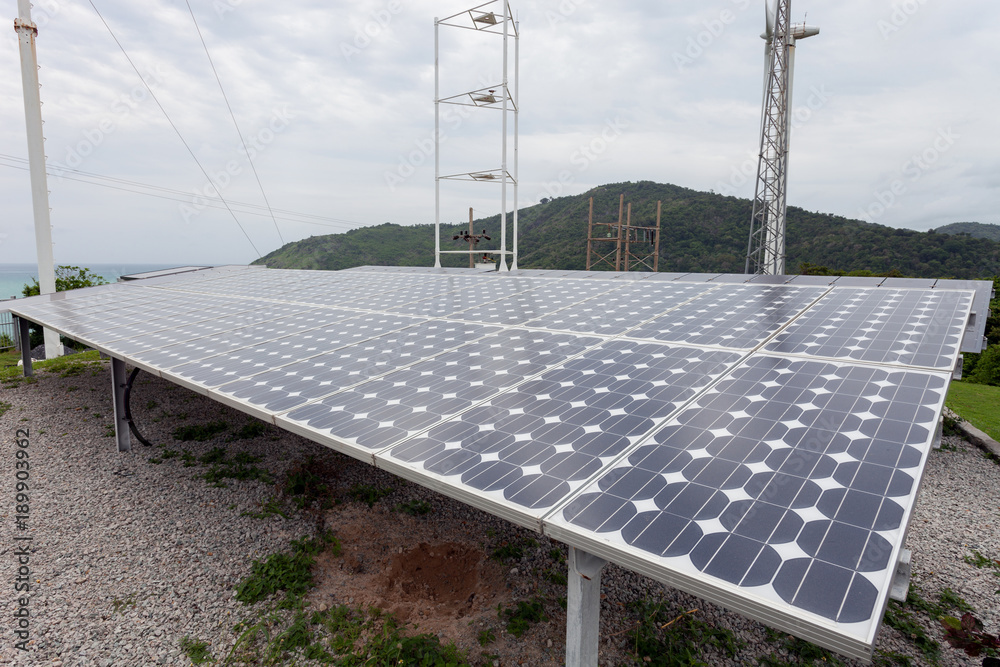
x: 791, y: 479
x: 756, y: 442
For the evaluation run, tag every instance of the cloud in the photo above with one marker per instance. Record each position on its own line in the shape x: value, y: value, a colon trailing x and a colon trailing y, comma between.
x: 681, y: 83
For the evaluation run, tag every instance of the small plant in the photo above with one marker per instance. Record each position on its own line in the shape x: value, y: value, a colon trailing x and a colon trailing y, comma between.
x: 967, y: 634
x: 305, y: 484
x: 120, y: 605
x: 665, y: 639
x: 982, y: 562
x: 557, y: 578
x: 214, y: 455
x: 109, y: 431
x: 486, y: 637
x: 520, y: 618
x: 4, y: 407
x: 896, y: 616
x: 200, y: 432
x: 508, y: 552
x: 288, y: 572
x: 368, y: 494
x: 196, y: 650
x: 252, y: 430
x: 271, y: 507
x: 414, y: 507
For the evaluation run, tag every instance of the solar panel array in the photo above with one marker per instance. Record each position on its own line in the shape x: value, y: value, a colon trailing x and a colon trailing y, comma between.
x: 759, y: 442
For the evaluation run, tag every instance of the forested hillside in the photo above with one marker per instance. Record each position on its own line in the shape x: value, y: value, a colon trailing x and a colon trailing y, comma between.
x: 701, y: 232
x: 978, y: 230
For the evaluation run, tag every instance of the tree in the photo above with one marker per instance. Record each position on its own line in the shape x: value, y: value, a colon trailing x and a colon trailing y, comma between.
x: 67, y: 278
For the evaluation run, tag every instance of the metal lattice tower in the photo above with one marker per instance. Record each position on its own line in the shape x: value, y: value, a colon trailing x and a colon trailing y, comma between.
x: 766, y: 249
x: 501, y: 96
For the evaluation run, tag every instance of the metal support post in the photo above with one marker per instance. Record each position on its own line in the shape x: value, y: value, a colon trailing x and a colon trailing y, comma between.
x: 118, y: 389
x: 583, y: 608
x: 24, y: 335
x: 517, y: 111
x: 503, y: 151
x: 437, y: 147
x: 27, y: 31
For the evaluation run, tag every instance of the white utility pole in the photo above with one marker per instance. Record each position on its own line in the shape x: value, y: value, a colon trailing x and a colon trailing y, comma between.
x: 26, y: 32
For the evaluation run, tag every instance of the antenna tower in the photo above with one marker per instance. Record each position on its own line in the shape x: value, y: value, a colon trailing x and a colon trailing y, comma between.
x: 766, y: 249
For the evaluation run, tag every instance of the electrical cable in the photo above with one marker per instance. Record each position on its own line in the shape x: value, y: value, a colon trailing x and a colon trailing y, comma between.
x: 128, y: 408
x: 171, y: 122
x: 233, y: 116
x: 298, y: 217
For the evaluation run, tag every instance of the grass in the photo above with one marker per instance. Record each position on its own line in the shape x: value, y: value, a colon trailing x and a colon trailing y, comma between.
x: 200, y: 432
x: 285, y: 632
x: 662, y: 638
x: 522, y: 616
x: 4, y: 407
x: 196, y: 650
x: 289, y: 572
x: 368, y: 494
x: 414, y: 507
x: 11, y: 375
x: 977, y: 404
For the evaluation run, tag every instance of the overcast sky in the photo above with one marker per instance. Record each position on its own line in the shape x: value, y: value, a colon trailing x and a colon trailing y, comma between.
x: 896, y: 108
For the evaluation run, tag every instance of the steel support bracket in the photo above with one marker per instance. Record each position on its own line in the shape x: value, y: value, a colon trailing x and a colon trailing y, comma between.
x: 583, y: 608
x: 118, y: 381
x: 24, y: 336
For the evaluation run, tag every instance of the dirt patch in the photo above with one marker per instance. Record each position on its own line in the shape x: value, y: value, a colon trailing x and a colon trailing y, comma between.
x: 435, y: 579
x: 446, y: 575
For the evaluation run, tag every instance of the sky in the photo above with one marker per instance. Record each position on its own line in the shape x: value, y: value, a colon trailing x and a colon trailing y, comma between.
x: 895, y: 115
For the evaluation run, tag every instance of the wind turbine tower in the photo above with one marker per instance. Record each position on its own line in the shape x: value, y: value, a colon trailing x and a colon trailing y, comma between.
x: 766, y: 250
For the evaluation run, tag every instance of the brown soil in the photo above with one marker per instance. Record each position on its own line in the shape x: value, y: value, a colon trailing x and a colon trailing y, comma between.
x: 435, y: 580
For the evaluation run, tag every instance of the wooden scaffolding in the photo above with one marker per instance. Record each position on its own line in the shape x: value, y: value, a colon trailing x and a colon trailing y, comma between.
x: 622, y: 246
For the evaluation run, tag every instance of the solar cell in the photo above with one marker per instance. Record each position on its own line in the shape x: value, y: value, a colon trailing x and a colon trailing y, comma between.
x: 757, y: 444
x: 379, y: 413
x: 616, y: 312
x: 906, y: 327
x: 531, y: 446
x: 737, y: 316
x: 793, y: 479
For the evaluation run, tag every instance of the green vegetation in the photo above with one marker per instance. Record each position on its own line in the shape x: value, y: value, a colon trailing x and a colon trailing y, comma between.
x: 283, y: 632
x: 486, y: 637
x: 67, y: 278
x: 521, y: 617
x: 200, y: 432
x: 977, y: 404
x: 4, y: 407
x: 801, y: 652
x: 368, y: 494
x: 414, y: 507
x: 662, y: 638
x: 290, y: 573
x: 903, y: 617
x: 304, y: 483
x: 707, y: 232
x: 196, y: 650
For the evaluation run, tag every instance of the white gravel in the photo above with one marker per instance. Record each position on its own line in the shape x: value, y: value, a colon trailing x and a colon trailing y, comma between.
x: 129, y: 557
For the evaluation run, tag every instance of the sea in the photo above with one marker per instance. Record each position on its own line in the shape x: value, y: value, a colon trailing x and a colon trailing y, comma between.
x: 13, y: 277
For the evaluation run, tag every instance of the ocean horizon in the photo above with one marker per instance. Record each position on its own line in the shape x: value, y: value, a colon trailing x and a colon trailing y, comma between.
x: 13, y: 277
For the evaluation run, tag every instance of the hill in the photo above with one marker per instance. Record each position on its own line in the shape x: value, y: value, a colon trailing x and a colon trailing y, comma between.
x: 977, y: 230
x: 701, y: 232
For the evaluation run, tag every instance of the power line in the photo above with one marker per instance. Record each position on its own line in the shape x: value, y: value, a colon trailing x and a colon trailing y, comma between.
x: 233, y: 116
x: 177, y: 131
x: 296, y: 216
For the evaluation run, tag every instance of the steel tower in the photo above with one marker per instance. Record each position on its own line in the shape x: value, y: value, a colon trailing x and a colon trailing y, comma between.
x: 766, y: 250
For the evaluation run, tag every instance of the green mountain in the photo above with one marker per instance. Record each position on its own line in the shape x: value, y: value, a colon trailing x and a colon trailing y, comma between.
x: 977, y: 230
x: 700, y: 232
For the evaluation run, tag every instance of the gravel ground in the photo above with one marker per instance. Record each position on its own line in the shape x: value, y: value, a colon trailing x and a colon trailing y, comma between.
x: 128, y: 556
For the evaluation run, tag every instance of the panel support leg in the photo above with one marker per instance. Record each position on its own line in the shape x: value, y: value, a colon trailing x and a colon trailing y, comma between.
x: 583, y: 608
x: 24, y: 337
x: 118, y: 389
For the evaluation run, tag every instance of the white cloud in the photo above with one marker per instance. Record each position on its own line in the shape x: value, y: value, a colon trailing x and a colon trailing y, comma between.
x: 680, y: 81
